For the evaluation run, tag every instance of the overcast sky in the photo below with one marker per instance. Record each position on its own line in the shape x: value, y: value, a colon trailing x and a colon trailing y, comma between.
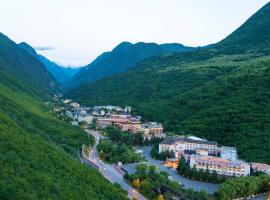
x: 74, y: 32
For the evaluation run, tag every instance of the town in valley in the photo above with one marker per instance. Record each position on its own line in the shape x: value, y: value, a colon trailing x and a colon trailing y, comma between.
x: 197, y: 153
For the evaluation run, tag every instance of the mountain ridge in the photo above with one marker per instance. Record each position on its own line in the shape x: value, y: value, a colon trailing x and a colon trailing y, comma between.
x: 123, y: 57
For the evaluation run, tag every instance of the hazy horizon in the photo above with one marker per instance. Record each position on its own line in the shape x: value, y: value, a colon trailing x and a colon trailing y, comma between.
x: 74, y: 33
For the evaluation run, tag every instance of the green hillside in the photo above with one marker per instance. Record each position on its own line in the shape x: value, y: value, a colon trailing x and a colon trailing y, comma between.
x: 253, y: 36
x: 220, y: 93
x: 38, y: 151
x: 21, y: 71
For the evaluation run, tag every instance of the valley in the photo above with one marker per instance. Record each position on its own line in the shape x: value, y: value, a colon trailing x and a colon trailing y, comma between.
x: 143, y: 120
x: 98, y: 121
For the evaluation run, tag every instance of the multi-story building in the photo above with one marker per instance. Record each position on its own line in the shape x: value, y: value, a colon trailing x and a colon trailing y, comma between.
x: 229, y: 153
x: 179, y: 144
x: 124, y: 122
x: 220, y: 165
x: 260, y: 167
x: 151, y: 130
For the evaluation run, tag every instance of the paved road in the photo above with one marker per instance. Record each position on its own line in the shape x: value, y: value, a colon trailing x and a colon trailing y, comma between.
x: 187, y: 183
x: 260, y: 197
x: 109, y: 171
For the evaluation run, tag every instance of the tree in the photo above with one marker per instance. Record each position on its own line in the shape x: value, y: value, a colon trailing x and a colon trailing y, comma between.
x: 190, y: 193
x: 154, y: 152
x: 136, y: 183
x: 202, y: 195
x: 141, y: 170
x: 152, y: 170
x: 138, y: 139
x: 182, y: 167
x: 146, y: 189
x: 160, y: 197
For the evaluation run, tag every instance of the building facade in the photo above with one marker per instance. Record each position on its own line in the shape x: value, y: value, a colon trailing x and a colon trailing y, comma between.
x: 179, y: 144
x: 221, y: 166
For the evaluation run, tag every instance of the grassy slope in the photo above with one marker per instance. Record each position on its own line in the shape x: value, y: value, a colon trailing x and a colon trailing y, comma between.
x: 36, y: 155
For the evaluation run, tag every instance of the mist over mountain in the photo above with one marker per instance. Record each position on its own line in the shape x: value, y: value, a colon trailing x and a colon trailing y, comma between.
x: 60, y: 73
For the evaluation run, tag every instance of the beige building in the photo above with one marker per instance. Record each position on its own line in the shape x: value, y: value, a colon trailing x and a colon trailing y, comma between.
x: 220, y: 165
x: 151, y: 130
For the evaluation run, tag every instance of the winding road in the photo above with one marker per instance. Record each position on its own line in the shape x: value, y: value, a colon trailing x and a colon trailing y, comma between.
x: 110, y: 172
x: 211, y: 188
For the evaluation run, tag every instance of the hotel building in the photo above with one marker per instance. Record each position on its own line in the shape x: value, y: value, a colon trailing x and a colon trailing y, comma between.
x: 179, y: 144
x: 220, y: 165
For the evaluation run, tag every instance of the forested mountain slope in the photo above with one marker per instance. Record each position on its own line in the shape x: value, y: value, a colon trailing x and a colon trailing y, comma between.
x: 120, y: 59
x: 253, y: 36
x: 37, y: 150
x: 221, y: 93
x: 22, y: 71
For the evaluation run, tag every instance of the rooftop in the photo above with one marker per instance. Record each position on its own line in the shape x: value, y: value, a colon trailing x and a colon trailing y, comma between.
x: 217, y: 160
x: 152, y: 125
x: 260, y: 166
x: 175, y: 139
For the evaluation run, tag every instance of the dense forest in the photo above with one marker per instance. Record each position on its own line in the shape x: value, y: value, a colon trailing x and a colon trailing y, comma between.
x: 220, y: 92
x: 243, y: 187
x: 38, y: 152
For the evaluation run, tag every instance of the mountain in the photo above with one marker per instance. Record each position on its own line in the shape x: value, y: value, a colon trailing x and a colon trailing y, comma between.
x: 252, y: 36
x: 219, y: 93
x: 120, y: 59
x: 38, y: 151
x: 60, y: 73
x: 29, y: 49
x: 22, y: 71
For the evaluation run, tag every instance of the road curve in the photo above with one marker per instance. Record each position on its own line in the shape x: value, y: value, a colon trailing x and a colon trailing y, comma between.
x: 211, y: 188
x: 110, y: 171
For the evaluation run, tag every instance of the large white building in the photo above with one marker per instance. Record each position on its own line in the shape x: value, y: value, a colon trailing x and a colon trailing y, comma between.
x: 220, y: 165
x: 179, y: 144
